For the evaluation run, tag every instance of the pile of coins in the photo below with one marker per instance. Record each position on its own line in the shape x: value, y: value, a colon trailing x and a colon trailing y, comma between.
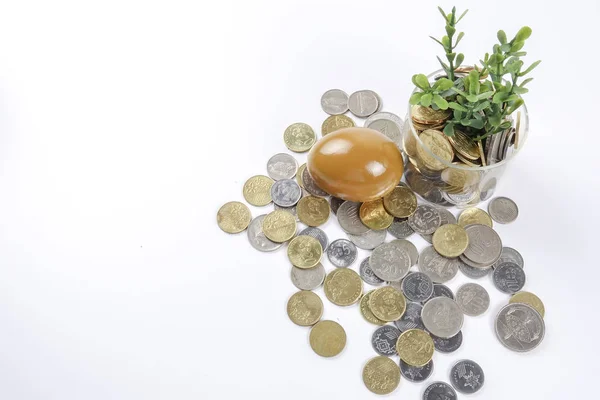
x: 408, y: 286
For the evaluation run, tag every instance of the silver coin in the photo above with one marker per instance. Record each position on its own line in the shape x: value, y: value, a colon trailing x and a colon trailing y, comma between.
x: 308, y: 279
x: 363, y: 103
x: 384, y: 340
x: 257, y: 237
x: 368, y: 240
x: 390, y: 262
x: 334, y: 102
x: 286, y: 192
x: 400, y: 228
x: 439, y: 391
x: 446, y: 216
x: 310, y: 185
x: 508, y: 277
x: 492, y: 150
x: 503, y: 210
x: 442, y: 290
x: 292, y: 210
x: 472, y: 272
x: 379, y: 101
x: 462, y: 199
x: 411, y: 319
x: 447, y: 345
x: 349, y: 218
x: 384, y: 115
x: 416, y: 374
x: 335, y: 203
x: 410, y: 248
x: 317, y: 234
x: 388, y: 128
x: 510, y: 140
x: 467, y: 376
x: 442, y: 317
x: 282, y: 166
x: 417, y: 286
x: 367, y: 275
x: 519, y: 327
x: 427, y: 238
x: 485, y: 246
x: 341, y: 253
x: 439, y: 268
x: 425, y: 220
x: 472, y: 299
x: 510, y: 254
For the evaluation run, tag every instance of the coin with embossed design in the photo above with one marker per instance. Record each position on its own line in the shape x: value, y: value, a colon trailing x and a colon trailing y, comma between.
x: 308, y: 279
x: 390, y: 262
x: 472, y: 272
x: 447, y: 345
x: 304, y: 251
x: 279, y: 226
x: 508, y: 277
x: 305, y: 308
x: 387, y: 304
x: 415, y: 347
x: 503, y: 210
x: 426, y: 219
x: 530, y: 299
x: 299, y: 175
x: 429, y: 116
x: 401, y: 202
x: 467, y: 376
x: 343, y: 286
x: 310, y: 185
x: 367, y: 275
x: 286, y: 192
x: 439, y: 391
x: 410, y: 248
x: 439, y: 268
x: 374, y: 215
x: 434, y: 143
x: 411, y: 318
x: 464, y: 145
x: 233, y: 217
x: 485, y: 246
x: 510, y: 254
x: 257, y: 190
x: 400, y: 228
x: 384, y: 340
x: 363, y: 103
x: 416, y: 374
x: 327, y: 338
x: 381, y: 375
x: 442, y: 317
x: 299, y: 137
x: 472, y: 299
x: 257, y: 237
x: 366, y: 311
x: 450, y: 240
x: 282, y: 166
x: 417, y: 286
x: 342, y: 253
x: 317, y: 234
x: 335, y: 122
x: 349, y: 218
x: 313, y: 210
x: 334, y: 102
x: 368, y: 240
x: 519, y: 327
x: 474, y: 215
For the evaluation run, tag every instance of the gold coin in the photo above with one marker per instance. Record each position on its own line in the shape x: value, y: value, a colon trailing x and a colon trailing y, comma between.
x: 481, y: 154
x: 429, y: 116
x: 366, y: 311
x: 305, y: 308
x: 460, y: 179
x: 299, y: 137
x: 327, y: 338
x: 374, y: 215
x: 304, y: 251
x: 415, y: 347
x: 470, y: 163
x: 381, y: 375
x: 233, y: 217
x: 450, y: 240
x: 400, y: 202
x: 313, y: 210
x: 435, y: 142
x: 343, y: 286
x: 257, y: 190
x: 464, y: 145
x: 530, y: 299
x: 387, y: 304
x: 474, y: 215
x: 279, y: 226
x: 335, y: 122
x: 299, y: 175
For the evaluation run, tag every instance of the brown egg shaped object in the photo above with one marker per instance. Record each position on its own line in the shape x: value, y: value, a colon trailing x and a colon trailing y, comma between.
x: 357, y: 164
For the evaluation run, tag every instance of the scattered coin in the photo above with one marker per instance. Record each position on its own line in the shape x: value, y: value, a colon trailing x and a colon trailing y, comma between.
x: 299, y: 137
x: 474, y: 215
x: 442, y: 290
x: 310, y: 185
x: 335, y: 203
x: 374, y: 215
x: 400, y: 202
x: 367, y: 275
x: 519, y: 327
x: 363, y: 103
x: 384, y: 340
x: 279, y: 226
x: 342, y: 253
x: 426, y: 219
x: 439, y: 268
x: 416, y: 374
x: 282, y: 166
x: 313, y: 210
x: 299, y: 175
x: 472, y: 272
x: 448, y: 345
x: 257, y: 190
x: 510, y: 254
x: 334, y: 102
x: 411, y: 318
x: 343, y: 286
x: 503, y: 210
x: 327, y: 338
x: 389, y: 262
x: 308, y: 279
x: 472, y: 299
x: 349, y: 218
x: 388, y: 128
x: 304, y: 251
x: 336, y: 122
x: 233, y: 217
x: 286, y: 192
x: 485, y: 246
x: 439, y: 391
x: 369, y: 240
x: 530, y: 299
x: 467, y: 376
x: 410, y: 248
x: 317, y: 234
x: 366, y: 311
x: 387, y: 304
x: 417, y: 287
x: 305, y: 308
x: 442, y: 317
x: 257, y: 237
x: 415, y: 347
x: 381, y: 375
x: 508, y: 277
x: 400, y: 228
x: 384, y: 115
x: 450, y: 240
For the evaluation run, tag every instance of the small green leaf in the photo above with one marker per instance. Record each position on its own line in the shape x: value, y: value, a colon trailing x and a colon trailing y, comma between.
x: 458, y: 115
x: 443, y: 13
x: 516, y: 46
x: 499, y: 97
x: 481, y: 106
x: 485, y: 95
x: 476, y: 123
x: 461, y: 16
x: 459, y: 59
x: 495, y: 119
x: 505, y: 47
x: 457, y: 107
x: 420, y: 80
x: 415, y: 98
x: 426, y: 100
x: 441, y: 44
x: 440, y: 102
x: 444, y: 84
x: 450, y: 30
x: 520, y: 90
x: 501, y: 36
x: 523, y: 34
x: 449, y: 129
x: 505, y: 125
x: 526, y: 81
x: 457, y: 90
x: 530, y: 68
x: 446, y: 41
x: 519, y: 54
x: 443, y: 64
x: 471, y: 98
x: 459, y: 38
x: 450, y: 56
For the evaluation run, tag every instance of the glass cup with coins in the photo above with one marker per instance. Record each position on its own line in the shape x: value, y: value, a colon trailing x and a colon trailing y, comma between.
x: 456, y: 171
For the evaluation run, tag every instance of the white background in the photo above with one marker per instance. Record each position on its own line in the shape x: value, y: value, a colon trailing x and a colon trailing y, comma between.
x: 125, y: 125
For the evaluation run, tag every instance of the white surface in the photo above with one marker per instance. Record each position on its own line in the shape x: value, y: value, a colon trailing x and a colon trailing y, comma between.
x: 125, y: 125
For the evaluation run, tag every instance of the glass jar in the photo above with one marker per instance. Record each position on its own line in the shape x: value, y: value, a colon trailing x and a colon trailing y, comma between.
x: 449, y: 177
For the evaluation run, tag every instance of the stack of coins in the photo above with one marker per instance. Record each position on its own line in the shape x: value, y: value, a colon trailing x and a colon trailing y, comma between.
x: 406, y: 292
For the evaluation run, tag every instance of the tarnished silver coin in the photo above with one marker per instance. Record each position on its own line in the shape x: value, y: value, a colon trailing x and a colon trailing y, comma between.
x: 508, y: 277
x: 510, y: 254
x: 439, y: 268
x: 363, y: 103
x: 334, y: 102
x: 257, y: 237
x: 384, y: 340
x: 282, y: 166
x: 416, y: 374
x: 485, y: 246
x: 292, y: 210
x: 425, y: 220
x: 447, y: 345
x: 388, y: 128
x: 317, y: 234
x: 467, y: 376
x: 442, y: 290
x: 367, y: 275
x: 310, y: 185
x: 342, y: 253
x: 519, y: 327
x: 335, y: 203
x: 390, y: 262
x: 472, y: 272
x: 410, y: 248
x: 446, y: 216
x: 286, y: 192
x: 503, y: 210
x: 472, y: 299
x: 349, y: 218
x: 411, y: 319
x: 442, y: 317
x: 439, y: 391
x: 308, y: 279
x: 417, y: 287
x: 400, y: 228
x: 368, y: 240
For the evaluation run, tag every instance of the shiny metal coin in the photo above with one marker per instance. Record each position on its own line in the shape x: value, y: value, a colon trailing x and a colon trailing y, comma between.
x: 390, y: 262
x: 400, y: 228
x: 417, y: 287
x: 439, y: 391
x: 384, y: 115
x: 384, y: 340
x: 503, y: 210
x: 472, y: 272
x: 442, y: 290
x: 425, y: 220
x: 286, y: 192
x: 257, y: 237
x: 367, y: 275
x: 508, y: 277
x: 368, y: 240
x: 389, y: 128
x: 439, y: 268
x: 442, y: 317
x: 472, y: 299
x: 282, y: 166
x: 467, y: 376
x: 416, y: 374
x: 334, y: 102
x: 292, y: 210
x: 317, y: 234
x: 342, y: 253
x: 308, y: 279
x: 485, y: 246
x: 363, y: 103
x: 310, y: 185
x: 519, y: 327
x: 410, y: 248
x: 411, y: 318
x: 448, y: 345
x: 349, y: 218
x: 510, y: 254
